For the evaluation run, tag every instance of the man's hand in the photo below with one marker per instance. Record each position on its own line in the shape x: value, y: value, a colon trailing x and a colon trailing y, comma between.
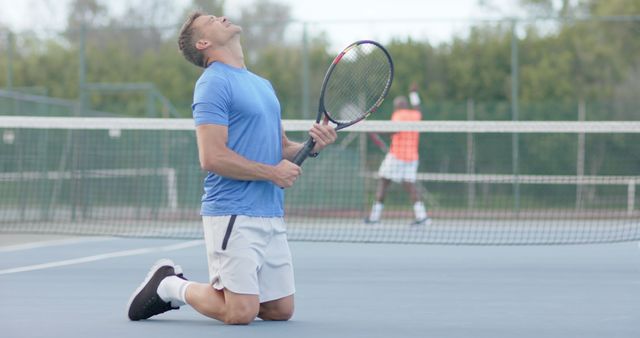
x: 323, y: 134
x: 285, y: 173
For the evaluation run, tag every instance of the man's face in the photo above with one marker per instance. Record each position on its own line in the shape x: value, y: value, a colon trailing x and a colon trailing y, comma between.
x: 217, y: 30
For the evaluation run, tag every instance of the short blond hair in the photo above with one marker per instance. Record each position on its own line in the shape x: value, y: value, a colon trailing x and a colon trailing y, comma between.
x: 187, y: 41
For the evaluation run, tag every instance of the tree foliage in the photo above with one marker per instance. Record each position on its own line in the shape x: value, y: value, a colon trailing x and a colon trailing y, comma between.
x: 561, y: 62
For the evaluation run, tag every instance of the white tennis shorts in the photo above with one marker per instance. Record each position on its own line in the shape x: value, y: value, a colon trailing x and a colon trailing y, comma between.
x: 397, y: 170
x: 249, y: 255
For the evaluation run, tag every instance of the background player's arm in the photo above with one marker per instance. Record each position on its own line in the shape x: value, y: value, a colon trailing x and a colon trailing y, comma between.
x: 414, y: 97
x: 379, y: 142
x: 216, y: 157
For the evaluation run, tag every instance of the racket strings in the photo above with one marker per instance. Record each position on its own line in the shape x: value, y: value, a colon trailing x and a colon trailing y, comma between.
x: 358, y: 83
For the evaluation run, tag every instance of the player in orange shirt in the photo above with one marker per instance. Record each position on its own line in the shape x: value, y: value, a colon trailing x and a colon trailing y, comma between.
x: 401, y: 163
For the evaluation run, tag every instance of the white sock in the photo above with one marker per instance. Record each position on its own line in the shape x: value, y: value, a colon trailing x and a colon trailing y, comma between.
x: 419, y: 210
x: 173, y: 289
x: 376, y: 211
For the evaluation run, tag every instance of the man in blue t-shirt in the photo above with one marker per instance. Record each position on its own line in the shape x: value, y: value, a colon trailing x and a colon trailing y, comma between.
x: 242, y: 145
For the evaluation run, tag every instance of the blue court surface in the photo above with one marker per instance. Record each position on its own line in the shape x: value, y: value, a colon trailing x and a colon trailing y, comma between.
x: 79, y: 286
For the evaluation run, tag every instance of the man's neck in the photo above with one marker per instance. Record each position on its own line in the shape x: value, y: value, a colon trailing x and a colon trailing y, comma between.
x: 230, y: 54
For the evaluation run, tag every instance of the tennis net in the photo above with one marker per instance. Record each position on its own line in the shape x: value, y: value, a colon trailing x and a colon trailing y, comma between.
x: 481, y: 182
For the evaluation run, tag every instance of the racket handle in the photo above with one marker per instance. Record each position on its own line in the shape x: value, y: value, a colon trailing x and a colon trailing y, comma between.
x: 304, y: 152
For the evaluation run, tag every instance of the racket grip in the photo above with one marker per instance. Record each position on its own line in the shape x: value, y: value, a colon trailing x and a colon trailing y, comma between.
x: 304, y: 152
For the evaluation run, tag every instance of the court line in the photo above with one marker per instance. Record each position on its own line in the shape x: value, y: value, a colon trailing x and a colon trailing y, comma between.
x: 99, y: 257
x: 57, y: 242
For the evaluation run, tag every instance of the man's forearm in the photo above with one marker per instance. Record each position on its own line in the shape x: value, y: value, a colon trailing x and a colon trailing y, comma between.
x: 323, y: 134
x: 232, y: 165
x: 290, y: 149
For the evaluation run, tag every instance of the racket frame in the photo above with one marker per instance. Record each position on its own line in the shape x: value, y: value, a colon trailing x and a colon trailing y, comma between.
x: 322, y: 111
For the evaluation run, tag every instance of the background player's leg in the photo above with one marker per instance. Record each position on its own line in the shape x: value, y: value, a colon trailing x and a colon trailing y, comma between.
x: 378, y: 205
x: 419, y: 209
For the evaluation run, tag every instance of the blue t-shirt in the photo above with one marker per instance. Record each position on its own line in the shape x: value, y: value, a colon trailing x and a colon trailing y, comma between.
x: 248, y: 106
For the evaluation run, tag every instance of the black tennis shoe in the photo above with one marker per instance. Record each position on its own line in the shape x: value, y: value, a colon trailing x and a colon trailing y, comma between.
x: 420, y: 222
x: 371, y: 222
x: 145, y: 301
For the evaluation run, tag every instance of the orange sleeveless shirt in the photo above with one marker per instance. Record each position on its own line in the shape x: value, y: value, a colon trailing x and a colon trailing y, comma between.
x: 404, y: 144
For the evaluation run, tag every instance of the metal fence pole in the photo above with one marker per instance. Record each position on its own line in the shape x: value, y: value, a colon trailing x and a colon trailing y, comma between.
x: 514, y: 115
x: 471, y: 163
x: 82, y: 70
x: 582, y: 113
x: 10, y: 43
x: 306, y: 109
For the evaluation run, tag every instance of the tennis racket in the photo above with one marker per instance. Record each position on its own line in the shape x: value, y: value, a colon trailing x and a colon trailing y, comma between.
x: 354, y: 86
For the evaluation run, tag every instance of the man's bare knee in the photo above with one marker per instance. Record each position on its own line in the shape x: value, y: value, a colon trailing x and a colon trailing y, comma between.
x: 279, y: 315
x: 240, y: 309
x: 240, y: 316
x: 280, y: 309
